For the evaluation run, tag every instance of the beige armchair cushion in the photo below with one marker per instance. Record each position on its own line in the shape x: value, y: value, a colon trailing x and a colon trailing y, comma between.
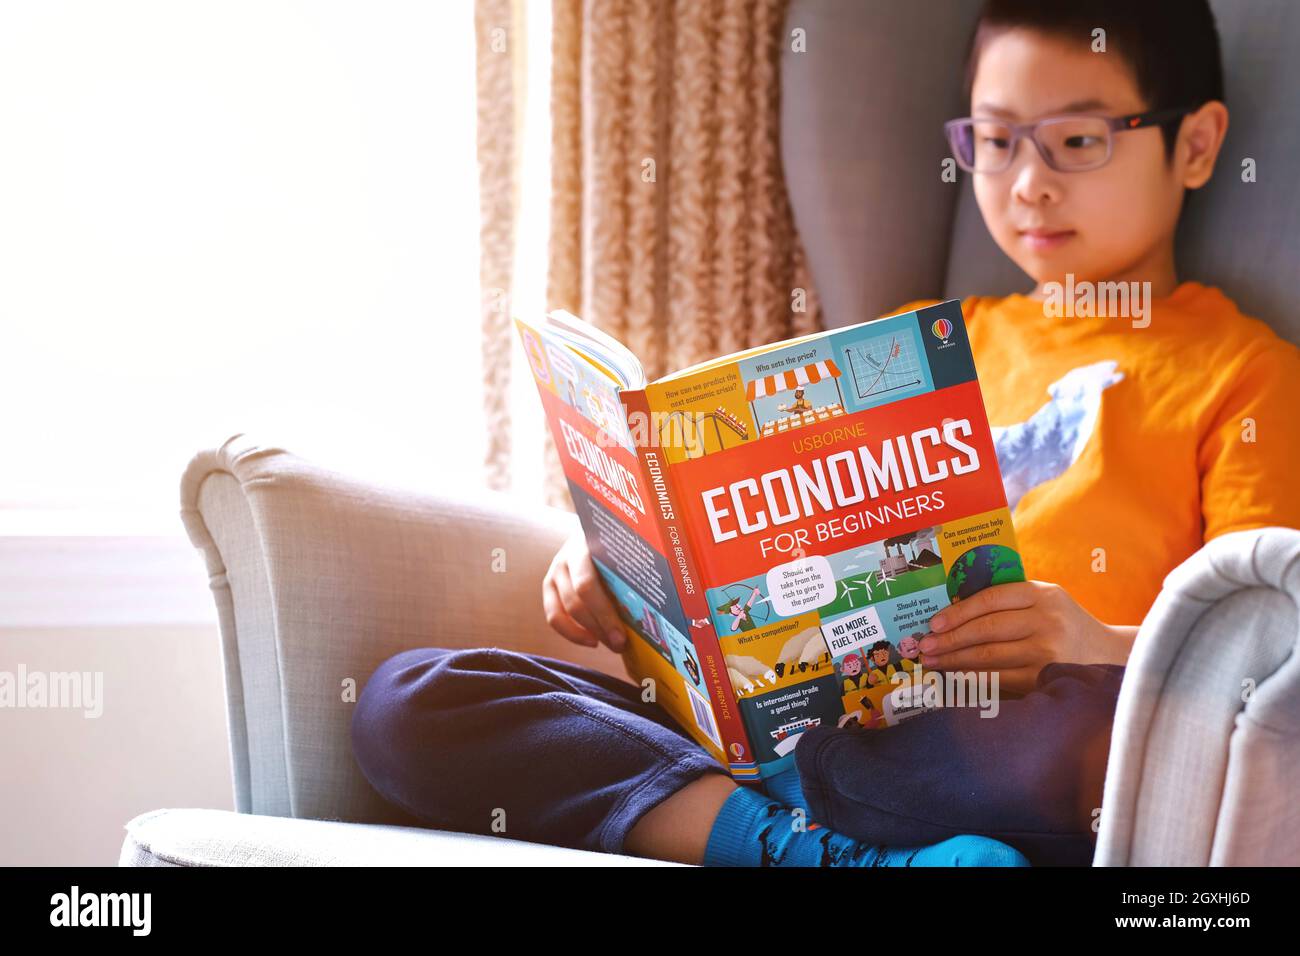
x: 319, y: 577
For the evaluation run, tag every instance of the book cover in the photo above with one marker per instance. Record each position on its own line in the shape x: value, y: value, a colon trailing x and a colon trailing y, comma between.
x: 827, y: 496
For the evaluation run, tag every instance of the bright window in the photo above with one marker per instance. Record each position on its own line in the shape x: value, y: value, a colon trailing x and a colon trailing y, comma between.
x: 237, y: 216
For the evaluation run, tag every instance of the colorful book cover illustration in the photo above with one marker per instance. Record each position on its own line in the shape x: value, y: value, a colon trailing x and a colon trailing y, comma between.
x: 777, y: 527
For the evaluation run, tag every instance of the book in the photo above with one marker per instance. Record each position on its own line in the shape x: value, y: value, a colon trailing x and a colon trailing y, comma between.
x: 777, y: 526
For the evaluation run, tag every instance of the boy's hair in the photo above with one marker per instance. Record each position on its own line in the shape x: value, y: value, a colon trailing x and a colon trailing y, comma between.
x: 1172, y: 46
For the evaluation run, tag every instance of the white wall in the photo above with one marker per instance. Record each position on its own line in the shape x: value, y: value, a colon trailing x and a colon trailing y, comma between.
x: 69, y: 783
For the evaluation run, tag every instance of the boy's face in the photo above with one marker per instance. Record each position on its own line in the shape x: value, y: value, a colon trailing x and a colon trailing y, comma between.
x: 1106, y: 224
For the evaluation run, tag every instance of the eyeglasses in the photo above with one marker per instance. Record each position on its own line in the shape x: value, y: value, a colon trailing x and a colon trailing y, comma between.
x: 1070, y: 143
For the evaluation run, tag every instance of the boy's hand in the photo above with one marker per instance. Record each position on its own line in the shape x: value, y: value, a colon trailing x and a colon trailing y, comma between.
x: 1017, y: 629
x: 577, y: 605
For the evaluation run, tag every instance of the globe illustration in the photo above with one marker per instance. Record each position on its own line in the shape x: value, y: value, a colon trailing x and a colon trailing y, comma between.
x: 982, y: 566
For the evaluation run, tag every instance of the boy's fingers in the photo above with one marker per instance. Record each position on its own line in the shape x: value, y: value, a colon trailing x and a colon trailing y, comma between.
x: 558, y: 613
x: 1000, y: 597
x: 984, y: 657
x: 584, y: 600
x: 980, y: 632
x: 568, y: 628
x: 596, y: 602
x: 573, y: 603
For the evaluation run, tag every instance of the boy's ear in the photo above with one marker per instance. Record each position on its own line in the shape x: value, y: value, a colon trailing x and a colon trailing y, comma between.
x: 1199, y: 142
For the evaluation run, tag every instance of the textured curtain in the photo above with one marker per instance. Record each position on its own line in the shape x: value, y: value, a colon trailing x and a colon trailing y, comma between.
x: 500, y: 65
x: 670, y: 227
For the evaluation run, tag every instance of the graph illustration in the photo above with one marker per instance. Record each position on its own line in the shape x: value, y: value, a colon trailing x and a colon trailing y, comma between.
x: 884, y: 364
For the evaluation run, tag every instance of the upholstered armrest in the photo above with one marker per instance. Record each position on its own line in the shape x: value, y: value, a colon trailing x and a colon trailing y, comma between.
x: 197, y: 837
x: 319, y: 577
x: 1205, y: 751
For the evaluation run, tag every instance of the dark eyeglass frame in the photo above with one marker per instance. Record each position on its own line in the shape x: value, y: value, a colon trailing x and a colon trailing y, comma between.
x: 1019, y: 131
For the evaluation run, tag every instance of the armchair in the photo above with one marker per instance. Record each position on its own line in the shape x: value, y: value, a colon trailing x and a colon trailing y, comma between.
x: 318, y: 578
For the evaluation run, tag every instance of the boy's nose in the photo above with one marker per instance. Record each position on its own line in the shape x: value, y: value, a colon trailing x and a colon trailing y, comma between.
x: 1035, y: 182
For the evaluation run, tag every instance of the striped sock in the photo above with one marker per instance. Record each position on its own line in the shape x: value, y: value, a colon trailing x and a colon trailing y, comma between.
x: 754, y: 830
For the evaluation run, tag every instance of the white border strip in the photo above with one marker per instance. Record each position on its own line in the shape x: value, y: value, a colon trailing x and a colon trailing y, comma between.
x: 81, y: 581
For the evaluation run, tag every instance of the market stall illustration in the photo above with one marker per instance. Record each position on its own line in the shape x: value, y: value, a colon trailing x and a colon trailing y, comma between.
x: 799, y: 411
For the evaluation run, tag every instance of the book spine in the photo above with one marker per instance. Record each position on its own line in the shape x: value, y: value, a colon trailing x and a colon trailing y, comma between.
x: 681, y: 552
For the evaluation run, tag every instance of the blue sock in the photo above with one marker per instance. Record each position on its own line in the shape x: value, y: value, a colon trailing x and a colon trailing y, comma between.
x: 754, y: 830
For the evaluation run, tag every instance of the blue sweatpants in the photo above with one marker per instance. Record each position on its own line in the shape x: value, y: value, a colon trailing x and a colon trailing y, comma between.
x: 493, y: 741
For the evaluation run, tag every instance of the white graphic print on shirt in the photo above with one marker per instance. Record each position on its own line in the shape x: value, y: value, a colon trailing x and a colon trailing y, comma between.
x: 1034, y: 451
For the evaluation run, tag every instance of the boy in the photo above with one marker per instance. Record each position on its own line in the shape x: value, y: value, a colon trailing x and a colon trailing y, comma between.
x: 1080, y: 161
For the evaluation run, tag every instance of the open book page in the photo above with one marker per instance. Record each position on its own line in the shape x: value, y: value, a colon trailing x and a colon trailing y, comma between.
x: 736, y: 356
x: 601, y: 349
x: 757, y: 350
